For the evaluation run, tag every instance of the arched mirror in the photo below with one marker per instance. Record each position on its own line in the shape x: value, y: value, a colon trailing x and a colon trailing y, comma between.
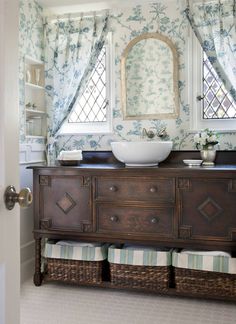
x: 149, y: 78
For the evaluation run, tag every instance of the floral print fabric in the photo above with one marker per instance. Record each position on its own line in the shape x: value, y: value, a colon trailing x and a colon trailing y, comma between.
x: 214, y: 24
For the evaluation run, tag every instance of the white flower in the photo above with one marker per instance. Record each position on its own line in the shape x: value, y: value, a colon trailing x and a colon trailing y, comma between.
x: 212, y: 138
x: 203, y: 140
x: 196, y: 138
x: 204, y: 135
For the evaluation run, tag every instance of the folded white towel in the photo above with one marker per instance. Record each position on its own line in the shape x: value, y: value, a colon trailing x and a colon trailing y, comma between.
x: 76, y: 243
x: 143, y: 247
x: 207, y: 253
x: 70, y: 155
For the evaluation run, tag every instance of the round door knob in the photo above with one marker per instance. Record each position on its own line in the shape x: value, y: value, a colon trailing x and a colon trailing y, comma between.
x: 24, y: 197
x: 113, y: 188
x: 114, y: 218
x: 153, y: 189
x: 154, y: 220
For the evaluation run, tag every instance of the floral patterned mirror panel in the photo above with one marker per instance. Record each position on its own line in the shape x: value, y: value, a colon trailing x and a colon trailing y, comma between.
x: 149, y: 78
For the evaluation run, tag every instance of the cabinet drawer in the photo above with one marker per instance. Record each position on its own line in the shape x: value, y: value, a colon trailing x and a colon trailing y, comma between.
x: 135, y: 189
x: 137, y: 220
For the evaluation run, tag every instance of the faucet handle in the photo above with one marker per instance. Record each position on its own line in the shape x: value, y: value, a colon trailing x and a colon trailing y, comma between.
x: 162, y: 132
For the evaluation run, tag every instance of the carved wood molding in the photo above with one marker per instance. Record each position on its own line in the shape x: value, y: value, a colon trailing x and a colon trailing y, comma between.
x: 185, y: 232
x: 233, y: 234
x: 44, y: 180
x: 232, y: 185
x: 45, y: 223
x: 184, y: 184
x: 37, y: 274
x: 86, y: 182
x: 87, y: 227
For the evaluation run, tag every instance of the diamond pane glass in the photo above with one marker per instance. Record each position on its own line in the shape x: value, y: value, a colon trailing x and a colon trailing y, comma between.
x: 92, y: 105
x: 217, y: 103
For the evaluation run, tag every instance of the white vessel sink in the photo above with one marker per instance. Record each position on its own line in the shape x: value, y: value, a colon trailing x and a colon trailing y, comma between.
x: 141, y: 153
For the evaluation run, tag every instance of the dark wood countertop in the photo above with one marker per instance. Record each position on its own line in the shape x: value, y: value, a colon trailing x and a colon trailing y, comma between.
x: 104, y: 160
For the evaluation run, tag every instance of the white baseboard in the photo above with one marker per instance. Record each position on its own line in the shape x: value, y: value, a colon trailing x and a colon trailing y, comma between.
x: 27, y: 260
x: 26, y: 270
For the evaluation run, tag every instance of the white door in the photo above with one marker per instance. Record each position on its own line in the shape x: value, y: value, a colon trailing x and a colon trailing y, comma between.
x: 9, y: 164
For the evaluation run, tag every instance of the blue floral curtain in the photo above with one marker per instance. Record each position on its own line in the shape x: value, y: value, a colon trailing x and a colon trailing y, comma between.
x: 214, y: 23
x: 72, y: 47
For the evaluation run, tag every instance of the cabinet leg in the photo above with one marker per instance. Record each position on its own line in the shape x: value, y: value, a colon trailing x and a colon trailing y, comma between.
x: 38, y: 274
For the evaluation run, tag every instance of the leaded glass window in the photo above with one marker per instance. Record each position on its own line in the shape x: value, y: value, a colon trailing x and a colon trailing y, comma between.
x: 217, y: 101
x: 92, y: 105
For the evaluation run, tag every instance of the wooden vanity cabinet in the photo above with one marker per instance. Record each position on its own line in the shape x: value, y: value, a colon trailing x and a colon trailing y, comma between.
x: 166, y: 206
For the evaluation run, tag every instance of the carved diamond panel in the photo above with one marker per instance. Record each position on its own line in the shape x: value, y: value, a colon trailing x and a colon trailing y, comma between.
x: 66, y: 203
x: 210, y: 209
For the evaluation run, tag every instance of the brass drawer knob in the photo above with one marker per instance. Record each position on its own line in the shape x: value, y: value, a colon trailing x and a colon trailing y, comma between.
x: 114, y: 218
x: 154, y: 220
x: 153, y: 189
x: 113, y: 188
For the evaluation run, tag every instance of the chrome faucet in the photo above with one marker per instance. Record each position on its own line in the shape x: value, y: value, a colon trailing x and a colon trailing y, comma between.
x: 150, y: 134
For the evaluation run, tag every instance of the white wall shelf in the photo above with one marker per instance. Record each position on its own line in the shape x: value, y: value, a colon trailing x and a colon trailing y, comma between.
x: 32, y: 61
x: 32, y: 85
x: 35, y: 112
x: 34, y: 136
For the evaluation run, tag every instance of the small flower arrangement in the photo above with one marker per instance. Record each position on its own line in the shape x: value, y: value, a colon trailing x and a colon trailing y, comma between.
x: 206, y: 138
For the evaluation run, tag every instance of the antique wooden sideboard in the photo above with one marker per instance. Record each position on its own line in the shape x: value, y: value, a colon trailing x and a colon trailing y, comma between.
x: 170, y: 206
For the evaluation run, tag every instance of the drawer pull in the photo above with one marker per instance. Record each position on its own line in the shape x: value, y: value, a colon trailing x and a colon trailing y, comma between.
x: 114, y: 218
x: 154, y: 220
x: 153, y: 189
x: 113, y: 188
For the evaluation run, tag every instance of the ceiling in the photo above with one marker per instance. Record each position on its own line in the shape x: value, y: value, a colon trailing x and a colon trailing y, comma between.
x: 65, y: 6
x: 57, y: 3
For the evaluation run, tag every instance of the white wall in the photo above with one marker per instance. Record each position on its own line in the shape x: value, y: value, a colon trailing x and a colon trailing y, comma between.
x: 30, y: 154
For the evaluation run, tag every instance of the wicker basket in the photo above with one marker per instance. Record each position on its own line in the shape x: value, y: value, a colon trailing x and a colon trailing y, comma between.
x: 205, y: 282
x: 73, y: 271
x: 139, y: 267
x: 140, y: 277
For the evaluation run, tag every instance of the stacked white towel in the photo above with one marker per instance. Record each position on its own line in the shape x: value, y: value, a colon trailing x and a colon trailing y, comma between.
x: 70, y: 155
x: 76, y: 243
x: 207, y: 253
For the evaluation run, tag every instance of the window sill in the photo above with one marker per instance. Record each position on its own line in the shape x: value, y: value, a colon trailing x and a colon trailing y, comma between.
x: 85, y: 129
x: 220, y: 131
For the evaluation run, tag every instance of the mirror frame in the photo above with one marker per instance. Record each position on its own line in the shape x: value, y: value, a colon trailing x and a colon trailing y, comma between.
x: 125, y: 53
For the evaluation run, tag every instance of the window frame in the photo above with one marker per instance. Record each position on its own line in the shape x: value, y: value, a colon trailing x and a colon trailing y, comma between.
x: 195, y: 89
x: 89, y: 128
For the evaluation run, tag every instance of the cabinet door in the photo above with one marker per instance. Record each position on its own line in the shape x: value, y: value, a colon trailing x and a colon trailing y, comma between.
x: 207, y: 209
x: 64, y: 203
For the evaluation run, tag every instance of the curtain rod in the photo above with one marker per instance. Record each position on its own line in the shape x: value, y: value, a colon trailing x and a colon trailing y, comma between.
x: 77, y: 15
